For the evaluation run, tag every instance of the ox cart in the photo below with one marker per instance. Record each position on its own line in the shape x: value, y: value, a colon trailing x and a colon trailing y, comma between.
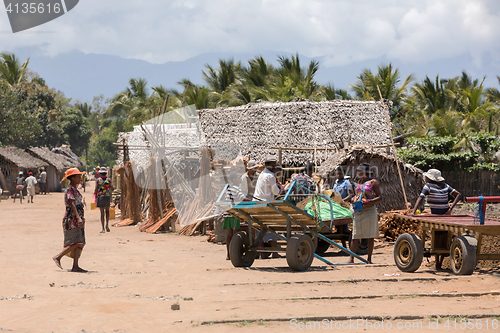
x: 459, y: 236
x: 297, y: 231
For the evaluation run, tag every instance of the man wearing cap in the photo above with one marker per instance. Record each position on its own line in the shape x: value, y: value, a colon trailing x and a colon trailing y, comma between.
x: 437, y: 192
x: 19, y: 186
x: 266, y: 189
x: 30, y: 186
x: 249, y: 178
x: 43, y: 181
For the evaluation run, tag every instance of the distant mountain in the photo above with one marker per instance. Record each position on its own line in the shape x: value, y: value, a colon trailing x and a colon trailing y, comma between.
x: 82, y: 76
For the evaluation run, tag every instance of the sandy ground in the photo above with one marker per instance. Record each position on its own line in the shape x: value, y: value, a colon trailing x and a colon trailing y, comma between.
x: 134, y: 278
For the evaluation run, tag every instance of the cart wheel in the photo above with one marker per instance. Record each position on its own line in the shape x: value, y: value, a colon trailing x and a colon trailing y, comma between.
x: 408, y: 252
x: 300, y: 252
x: 323, y: 246
x: 239, y: 253
x: 462, y: 256
x: 362, y: 245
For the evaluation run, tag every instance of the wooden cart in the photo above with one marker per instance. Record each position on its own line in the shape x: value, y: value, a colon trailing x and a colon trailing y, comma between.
x: 458, y: 236
x: 298, y: 231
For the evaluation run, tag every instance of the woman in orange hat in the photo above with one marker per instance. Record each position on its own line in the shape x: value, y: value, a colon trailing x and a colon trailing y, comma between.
x: 73, y: 222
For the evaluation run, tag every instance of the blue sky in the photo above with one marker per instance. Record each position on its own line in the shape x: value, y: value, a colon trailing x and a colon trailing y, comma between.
x: 341, y: 32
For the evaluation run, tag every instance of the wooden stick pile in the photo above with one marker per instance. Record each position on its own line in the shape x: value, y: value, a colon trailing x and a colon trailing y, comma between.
x: 168, y: 219
x: 392, y: 226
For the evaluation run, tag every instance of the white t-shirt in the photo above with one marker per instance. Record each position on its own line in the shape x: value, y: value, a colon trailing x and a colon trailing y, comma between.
x: 266, y: 188
x: 30, y: 181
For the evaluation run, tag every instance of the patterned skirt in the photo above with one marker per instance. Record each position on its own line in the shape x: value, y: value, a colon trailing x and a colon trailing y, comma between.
x: 73, y: 237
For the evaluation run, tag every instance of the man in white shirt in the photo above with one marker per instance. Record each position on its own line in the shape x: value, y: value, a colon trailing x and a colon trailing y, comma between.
x: 266, y: 189
x: 30, y: 186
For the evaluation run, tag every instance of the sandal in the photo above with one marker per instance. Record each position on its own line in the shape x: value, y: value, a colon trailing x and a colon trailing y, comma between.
x: 107, y: 229
x: 103, y: 232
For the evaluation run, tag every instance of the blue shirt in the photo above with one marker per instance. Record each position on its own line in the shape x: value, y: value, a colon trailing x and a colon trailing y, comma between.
x: 342, y: 187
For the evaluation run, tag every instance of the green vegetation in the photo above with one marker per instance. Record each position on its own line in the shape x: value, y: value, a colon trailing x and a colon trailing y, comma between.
x: 454, y: 122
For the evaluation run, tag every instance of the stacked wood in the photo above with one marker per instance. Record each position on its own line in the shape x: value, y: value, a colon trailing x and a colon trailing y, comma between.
x: 154, y: 200
x: 124, y: 204
x: 133, y: 196
x: 123, y: 223
x: 168, y: 219
x: 191, y: 229
x: 392, y: 226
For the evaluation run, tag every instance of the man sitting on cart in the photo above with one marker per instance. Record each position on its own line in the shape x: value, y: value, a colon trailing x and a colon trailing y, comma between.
x: 437, y: 191
x: 267, y: 189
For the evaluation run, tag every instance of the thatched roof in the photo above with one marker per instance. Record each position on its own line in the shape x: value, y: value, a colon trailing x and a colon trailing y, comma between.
x: 305, y: 124
x: 20, y: 158
x: 60, y: 162
x: 172, y: 139
x: 386, y: 173
x: 68, y: 154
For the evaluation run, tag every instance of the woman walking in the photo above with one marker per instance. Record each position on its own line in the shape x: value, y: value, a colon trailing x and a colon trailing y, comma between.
x: 73, y: 222
x: 365, y: 223
x: 103, y: 190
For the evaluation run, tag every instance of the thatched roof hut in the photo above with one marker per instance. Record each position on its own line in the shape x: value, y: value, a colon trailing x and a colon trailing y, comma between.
x: 12, y: 161
x: 303, y: 124
x: 385, y: 169
x: 58, y: 161
x: 66, y: 151
x: 57, y: 165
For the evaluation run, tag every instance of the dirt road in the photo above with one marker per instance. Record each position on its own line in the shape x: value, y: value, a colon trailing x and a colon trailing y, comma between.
x: 134, y: 278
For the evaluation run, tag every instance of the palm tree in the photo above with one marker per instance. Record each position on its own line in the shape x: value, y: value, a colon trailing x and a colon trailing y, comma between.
x: 301, y: 79
x: 132, y: 102
x: 11, y: 69
x: 219, y: 80
x: 196, y: 95
x: 328, y: 93
x: 388, y: 80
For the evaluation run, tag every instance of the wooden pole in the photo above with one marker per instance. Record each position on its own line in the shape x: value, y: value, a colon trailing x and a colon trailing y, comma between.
x: 280, y: 156
x: 393, y: 146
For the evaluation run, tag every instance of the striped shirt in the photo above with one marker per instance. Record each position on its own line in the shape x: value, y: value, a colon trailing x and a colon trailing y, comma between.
x: 234, y: 196
x: 437, y: 195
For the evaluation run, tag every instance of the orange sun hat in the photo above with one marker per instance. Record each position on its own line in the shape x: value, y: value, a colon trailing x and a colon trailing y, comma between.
x: 71, y: 172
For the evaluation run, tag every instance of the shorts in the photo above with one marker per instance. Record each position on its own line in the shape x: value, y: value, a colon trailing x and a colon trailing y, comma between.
x: 231, y: 223
x: 43, y: 186
x: 19, y: 187
x: 103, y: 201
x: 31, y: 191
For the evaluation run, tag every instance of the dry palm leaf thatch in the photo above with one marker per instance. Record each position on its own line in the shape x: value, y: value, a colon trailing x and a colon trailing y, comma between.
x: 385, y: 171
x: 14, y: 156
x: 257, y: 127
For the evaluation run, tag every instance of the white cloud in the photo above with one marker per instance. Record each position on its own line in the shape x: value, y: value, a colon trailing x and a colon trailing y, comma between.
x: 345, y: 31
